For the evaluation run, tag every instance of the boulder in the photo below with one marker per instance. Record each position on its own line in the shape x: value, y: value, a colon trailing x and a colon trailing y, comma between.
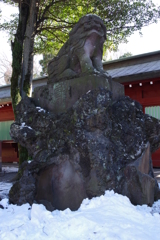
x: 98, y: 144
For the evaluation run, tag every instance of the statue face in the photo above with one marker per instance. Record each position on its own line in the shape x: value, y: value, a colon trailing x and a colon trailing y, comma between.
x: 87, y: 25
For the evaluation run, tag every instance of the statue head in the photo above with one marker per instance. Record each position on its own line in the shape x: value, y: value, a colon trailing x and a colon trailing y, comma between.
x: 88, y: 24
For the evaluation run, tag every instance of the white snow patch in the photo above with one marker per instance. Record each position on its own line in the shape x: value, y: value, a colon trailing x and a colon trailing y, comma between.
x: 29, y: 127
x: 24, y: 125
x: 29, y: 161
x: 4, y: 189
x: 41, y: 109
x: 4, y: 202
x: 6, y: 169
x: 139, y: 151
x: 110, y: 217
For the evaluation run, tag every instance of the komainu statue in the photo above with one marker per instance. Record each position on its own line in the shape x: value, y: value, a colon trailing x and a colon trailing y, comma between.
x: 82, y: 52
x: 83, y: 134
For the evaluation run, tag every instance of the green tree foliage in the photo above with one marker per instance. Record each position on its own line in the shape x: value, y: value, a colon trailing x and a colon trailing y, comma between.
x: 121, y: 18
x: 56, y: 18
x: 127, y: 54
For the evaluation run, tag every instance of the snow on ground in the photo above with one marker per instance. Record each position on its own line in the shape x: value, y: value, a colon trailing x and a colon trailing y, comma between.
x: 4, y: 189
x: 108, y: 217
x: 7, y: 169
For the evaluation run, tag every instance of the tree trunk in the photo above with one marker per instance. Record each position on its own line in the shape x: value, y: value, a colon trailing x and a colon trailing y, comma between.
x: 27, y: 67
x: 22, y: 58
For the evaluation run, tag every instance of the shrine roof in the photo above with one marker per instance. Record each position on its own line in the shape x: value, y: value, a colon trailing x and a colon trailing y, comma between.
x: 134, y: 68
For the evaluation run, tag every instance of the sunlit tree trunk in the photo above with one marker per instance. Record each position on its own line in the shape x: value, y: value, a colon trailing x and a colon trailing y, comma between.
x: 22, y: 58
x: 27, y: 67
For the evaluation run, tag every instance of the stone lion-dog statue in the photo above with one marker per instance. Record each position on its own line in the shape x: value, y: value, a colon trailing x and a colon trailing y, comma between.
x: 82, y: 53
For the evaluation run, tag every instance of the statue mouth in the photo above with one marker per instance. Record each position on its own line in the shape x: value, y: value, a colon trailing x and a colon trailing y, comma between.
x: 98, y: 32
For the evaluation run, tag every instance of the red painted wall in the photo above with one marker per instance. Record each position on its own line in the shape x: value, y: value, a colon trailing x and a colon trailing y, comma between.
x: 9, y: 152
x: 6, y: 112
x: 148, y: 95
x: 9, y: 148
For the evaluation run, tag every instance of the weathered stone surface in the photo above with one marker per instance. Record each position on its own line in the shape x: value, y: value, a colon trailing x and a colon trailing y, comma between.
x: 61, y: 96
x: 100, y: 143
x: 65, y: 181
x: 82, y: 52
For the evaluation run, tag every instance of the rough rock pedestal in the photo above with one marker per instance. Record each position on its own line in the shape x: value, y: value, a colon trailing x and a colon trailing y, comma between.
x: 98, y: 144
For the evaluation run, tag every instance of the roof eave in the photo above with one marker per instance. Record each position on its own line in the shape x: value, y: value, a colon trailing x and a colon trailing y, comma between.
x: 137, y: 77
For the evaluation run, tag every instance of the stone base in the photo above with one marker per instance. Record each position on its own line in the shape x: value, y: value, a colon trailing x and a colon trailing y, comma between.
x: 60, y: 96
x: 98, y: 145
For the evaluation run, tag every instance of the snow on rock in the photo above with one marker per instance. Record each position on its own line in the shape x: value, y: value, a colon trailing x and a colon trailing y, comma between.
x: 40, y: 109
x: 110, y: 217
x: 24, y: 125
